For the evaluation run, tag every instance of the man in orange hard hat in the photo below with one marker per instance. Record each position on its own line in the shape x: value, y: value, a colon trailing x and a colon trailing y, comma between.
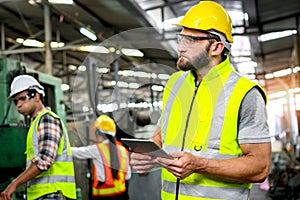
x: 214, y: 121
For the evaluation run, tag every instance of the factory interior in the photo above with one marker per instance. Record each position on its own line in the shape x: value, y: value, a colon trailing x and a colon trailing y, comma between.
x: 115, y: 56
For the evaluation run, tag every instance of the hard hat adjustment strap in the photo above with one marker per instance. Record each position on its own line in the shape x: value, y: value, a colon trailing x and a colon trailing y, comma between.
x: 222, y: 38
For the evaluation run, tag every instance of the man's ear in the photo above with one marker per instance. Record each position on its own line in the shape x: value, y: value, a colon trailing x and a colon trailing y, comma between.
x: 37, y: 96
x: 217, y: 48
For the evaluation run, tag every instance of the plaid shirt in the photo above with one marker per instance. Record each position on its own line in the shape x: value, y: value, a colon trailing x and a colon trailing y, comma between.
x: 50, y: 132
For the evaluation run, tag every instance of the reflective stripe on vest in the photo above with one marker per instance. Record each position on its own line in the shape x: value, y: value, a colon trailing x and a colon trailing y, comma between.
x: 224, y: 88
x: 111, y: 187
x: 170, y: 101
x: 203, y: 191
x: 60, y: 176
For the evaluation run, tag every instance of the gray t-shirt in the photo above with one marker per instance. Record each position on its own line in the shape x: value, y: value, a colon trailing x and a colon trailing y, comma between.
x: 253, y: 126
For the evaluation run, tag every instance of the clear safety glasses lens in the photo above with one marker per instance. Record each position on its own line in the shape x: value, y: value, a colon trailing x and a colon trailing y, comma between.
x: 22, y: 98
x: 190, y: 39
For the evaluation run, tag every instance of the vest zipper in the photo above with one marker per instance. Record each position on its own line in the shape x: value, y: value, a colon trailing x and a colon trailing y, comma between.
x: 184, y: 133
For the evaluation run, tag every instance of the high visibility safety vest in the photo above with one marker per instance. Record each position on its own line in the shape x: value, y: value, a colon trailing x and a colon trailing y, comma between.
x: 111, y: 187
x: 60, y: 176
x: 212, y: 128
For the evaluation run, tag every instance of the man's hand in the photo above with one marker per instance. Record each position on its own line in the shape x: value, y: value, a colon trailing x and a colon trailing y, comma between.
x: 7, y: 193
x: 183, y: 165
x: 142, y: 163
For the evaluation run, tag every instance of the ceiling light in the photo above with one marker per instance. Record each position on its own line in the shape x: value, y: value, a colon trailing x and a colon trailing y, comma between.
x: 283, y: 72
x: 30, y: 42
x: 246, y: 67
x: 69, y: 2
x: 251, y: 77
x: 57, y: 44
x: 89, y: 33
x: 134, y: 85
x: 132, y: 52
x: 112, y: 49
x: 122, y: 84
x: 34, y: 2
x: 20, y: 40
x: 94, y: 49
x: 36, y: 43
x: 72, y: 67
x: 157, y: 88
x: 163, y: 76
x: 276, y: 35
x: 64, y: 87
x: 269, y: 76
x: 82, y: 68
x: 102, y: 70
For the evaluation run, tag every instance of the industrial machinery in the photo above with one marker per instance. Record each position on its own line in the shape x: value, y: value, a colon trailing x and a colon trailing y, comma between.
x: 14, y: 126
x: 285, y: 176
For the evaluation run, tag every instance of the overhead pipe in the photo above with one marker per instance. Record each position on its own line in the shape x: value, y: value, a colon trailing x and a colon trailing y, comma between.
x: 2, y: 36
x: 48, y: 38
x: 297, y: 44
x: 67, y: 16
x: 116, y: 77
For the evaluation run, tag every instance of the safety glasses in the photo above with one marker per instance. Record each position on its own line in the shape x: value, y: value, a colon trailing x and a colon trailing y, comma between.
x: 190, y: 39
x: 21, y: 98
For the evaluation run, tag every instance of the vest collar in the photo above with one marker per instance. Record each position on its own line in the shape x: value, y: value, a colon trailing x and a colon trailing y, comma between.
x: 218, y: 70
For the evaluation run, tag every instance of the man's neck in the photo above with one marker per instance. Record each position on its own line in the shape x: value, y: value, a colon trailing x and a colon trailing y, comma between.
x: 203, y: 71
x: 39, y: 108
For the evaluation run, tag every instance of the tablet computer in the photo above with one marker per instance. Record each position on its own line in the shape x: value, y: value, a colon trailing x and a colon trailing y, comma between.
x: 145, y: 146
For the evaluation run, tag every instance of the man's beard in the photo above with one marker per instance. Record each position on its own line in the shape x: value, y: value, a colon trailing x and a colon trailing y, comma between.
x: 201, y: 61
x: 183, y: 64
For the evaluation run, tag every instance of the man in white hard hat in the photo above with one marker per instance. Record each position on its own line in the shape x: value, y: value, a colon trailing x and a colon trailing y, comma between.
x: 49, y: 170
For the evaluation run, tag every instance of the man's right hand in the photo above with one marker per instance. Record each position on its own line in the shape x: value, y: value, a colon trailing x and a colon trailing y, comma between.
x: 7, y: 193
x: 142, y: 163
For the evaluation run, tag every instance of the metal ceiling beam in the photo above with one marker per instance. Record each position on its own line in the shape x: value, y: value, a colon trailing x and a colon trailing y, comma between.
x: 103, y: 22
x: 136, y: 10
x: 186, y: 3
x: 2, y: 37
x: 66, y: 15
x: 20, y: 16
x: 171, y: 7
x: 31, y: 37
x: 276, y: 19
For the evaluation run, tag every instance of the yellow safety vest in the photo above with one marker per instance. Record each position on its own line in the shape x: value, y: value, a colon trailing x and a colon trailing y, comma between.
x: 212, y: 128
x: 60, y: 176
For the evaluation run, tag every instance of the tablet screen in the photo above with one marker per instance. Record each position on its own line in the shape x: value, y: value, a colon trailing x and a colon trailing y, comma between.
x: 145, y: 147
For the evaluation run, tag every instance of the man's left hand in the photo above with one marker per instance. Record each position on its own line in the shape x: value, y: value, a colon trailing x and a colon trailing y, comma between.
x: 184, y: 165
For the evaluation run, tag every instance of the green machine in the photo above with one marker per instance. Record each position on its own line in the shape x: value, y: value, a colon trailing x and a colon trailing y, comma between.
x: 14, y: 126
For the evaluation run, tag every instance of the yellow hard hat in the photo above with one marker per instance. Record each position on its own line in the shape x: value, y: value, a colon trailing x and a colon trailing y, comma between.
x: 105, y: 125
x: 208, y: 15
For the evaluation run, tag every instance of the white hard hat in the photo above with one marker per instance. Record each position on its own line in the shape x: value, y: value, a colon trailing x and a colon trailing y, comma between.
x: 25, y: 82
